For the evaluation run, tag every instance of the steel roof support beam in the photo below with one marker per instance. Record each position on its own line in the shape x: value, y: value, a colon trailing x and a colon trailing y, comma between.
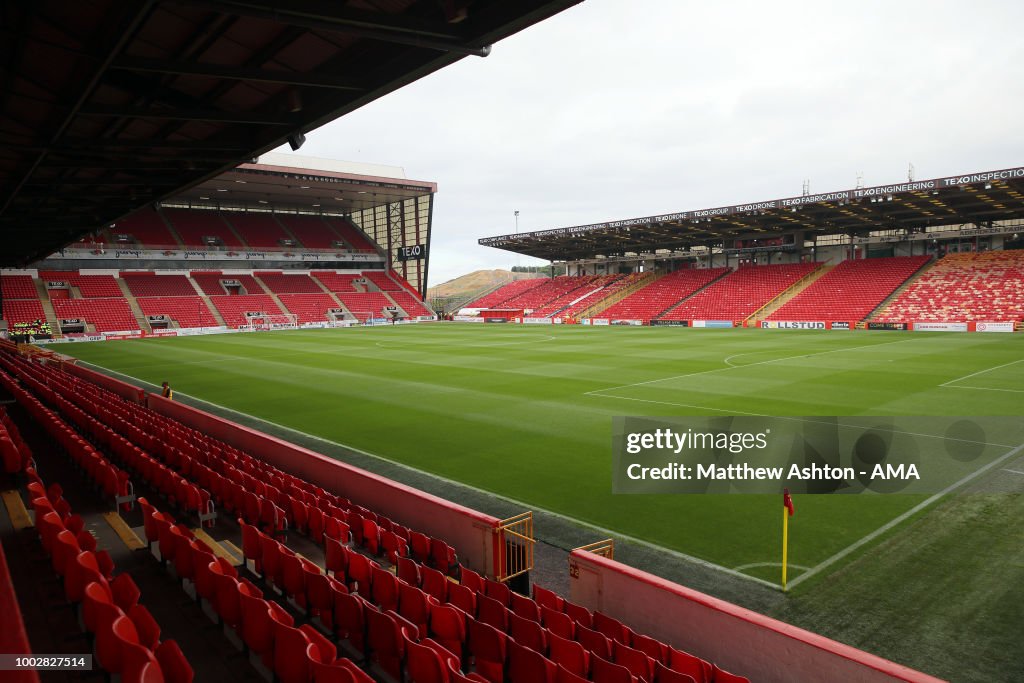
x: 318, y: 15
x: 237, y: 73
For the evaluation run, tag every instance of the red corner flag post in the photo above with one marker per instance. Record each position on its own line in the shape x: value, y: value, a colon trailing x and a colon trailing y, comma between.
x: 787, y: 512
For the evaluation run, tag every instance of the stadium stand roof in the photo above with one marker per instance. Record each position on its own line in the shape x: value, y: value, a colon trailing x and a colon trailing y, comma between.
x: 974, y: 198
x: 292, y: 182
x: 110, y: 105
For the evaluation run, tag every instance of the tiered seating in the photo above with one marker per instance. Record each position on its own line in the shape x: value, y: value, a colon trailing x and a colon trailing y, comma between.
x: 23, y: 311
x: 350, y: 233
x: 652, y: 300
x: 365, y: 305
x: 209, y: 282
x: 18, y: 287
x: 337, y: 282
x: 90, y: 286
x: 970, y: 287
x: 549, y: 290
x: 594, y: 297
x: 107, y: 315
x: 499, y: 296
x: 260, y: 230
x: 851, y: 290
x: 142, y: 284
x: 311, y: 231
x: 410, y: 304
x: 403, y: 282
x: 381, y: 279
x: 308, y: 308
x: 20, y: 300
x: 194, y: 226
x: 147, y: 228
x: 589, y: 287
x: 234, y: 308
x: 737, y: 295
x: 187, y: 311
x: 280, y: 283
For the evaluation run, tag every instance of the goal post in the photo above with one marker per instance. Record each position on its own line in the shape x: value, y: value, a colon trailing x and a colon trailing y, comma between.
x: 276, y: 321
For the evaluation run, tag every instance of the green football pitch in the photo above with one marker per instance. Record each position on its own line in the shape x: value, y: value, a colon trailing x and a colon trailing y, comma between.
x: 526, y: 412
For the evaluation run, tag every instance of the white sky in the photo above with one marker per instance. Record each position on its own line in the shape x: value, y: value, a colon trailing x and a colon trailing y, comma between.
x: 616, y: 109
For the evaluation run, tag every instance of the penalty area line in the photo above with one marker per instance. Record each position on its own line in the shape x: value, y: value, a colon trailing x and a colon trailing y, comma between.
x: 437, y: 477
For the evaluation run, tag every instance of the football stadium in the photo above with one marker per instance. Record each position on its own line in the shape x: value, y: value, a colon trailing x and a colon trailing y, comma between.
x: 773, y: 441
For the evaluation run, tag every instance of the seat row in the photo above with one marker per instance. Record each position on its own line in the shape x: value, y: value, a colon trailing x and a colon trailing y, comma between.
x: 126, y: 637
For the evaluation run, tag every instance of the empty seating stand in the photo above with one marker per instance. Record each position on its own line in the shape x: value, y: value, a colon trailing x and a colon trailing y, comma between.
x: 650, y: 301
x: 337, y: 282
x: 312, y: 232
x: 202, y: 228
x: 259, y: 230
x: 145, y: 283
x: 366, y: 305
x: 106, y: 315
x: 145, y: 228
x: 309, y: 308
x: 187, y: 311
x: 589, y: 285
x: 548, y: 290
x: 503, y: 294
x: 20, y: 301
x: 234, y: 308
x: 740, y: 293
x: 350, y: 234
x: 970, y: 287
x: 597, y: 296
x: 211, y: 282
x: 851, y: 290
x: 280, y: 283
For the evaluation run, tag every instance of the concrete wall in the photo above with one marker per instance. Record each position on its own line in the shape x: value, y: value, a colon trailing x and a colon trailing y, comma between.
x: 736, y: 639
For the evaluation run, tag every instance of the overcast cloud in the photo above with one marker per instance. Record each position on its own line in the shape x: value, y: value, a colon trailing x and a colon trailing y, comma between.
x: 617, y: 109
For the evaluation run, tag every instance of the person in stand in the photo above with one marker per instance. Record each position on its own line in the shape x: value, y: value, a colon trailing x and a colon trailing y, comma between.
x: 167, y: 392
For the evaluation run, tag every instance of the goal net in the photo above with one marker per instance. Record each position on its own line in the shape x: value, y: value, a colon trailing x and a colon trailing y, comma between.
x: 283, y: 321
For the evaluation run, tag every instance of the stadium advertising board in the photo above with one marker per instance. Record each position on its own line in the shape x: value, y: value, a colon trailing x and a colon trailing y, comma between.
x: 214, y: 255
x: 635, y: 323
x: 994, y: 327
x: 792, y: 325
x: 537, y: 321
x: 600, y: 321
x: 887, y: 326
x: 714, y: 323
x: 415, y: 252
x: 838, y: 198
x: 671, y: 323
x: 940, y: 327
x: 468, y: 319
x: 841, y: 325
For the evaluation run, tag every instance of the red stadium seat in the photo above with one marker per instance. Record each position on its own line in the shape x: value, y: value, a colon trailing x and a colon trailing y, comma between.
x: 173, y: 662
x: 528, y: 666
x: 488, y: 646
x: 569, y: 654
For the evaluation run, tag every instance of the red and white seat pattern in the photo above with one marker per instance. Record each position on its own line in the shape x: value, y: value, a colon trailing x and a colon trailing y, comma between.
x: 968, y: 287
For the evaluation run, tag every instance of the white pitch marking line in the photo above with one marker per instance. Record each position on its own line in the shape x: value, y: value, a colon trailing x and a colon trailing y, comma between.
x: 748, y: 365
x: 897, y: 520
x: 602, y: 530
x: 1007, y: 469
x: 966, y: 386
x: 981, y: 372
x: 752, y: 565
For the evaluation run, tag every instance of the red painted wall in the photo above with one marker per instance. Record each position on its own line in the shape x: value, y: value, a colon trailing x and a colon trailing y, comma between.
x: 737, y: 639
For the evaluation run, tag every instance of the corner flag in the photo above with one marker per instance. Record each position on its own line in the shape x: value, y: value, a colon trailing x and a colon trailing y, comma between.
x: 787, y: 512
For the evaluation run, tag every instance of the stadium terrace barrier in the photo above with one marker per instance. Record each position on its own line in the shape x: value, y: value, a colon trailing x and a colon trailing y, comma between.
x: 13, y: 639
x: 472, y: 533
x: 740, y: 641
x: 122, y: 389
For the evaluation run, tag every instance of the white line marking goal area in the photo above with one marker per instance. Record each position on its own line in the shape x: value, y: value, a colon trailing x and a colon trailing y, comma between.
x: 980, y: 375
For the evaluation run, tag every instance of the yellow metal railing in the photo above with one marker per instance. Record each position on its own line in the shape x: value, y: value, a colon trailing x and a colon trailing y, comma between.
x: 605, y: 548
x: 515, y: 546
